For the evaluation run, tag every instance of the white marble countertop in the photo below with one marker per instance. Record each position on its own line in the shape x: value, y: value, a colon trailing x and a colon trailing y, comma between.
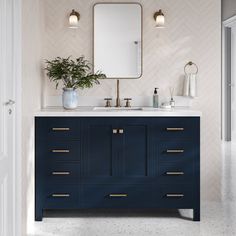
x: 120, y: 112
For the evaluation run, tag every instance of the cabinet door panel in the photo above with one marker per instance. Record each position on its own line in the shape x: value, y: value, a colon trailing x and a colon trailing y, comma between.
x: 134, y: 150
x: 98, y: 152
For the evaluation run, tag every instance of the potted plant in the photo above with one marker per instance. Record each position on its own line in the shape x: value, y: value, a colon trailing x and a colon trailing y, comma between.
x: 73, y: 74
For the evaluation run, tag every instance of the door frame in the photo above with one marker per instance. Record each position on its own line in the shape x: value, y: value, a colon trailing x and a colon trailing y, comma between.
x: 226, y: 79
x: 17, y: 159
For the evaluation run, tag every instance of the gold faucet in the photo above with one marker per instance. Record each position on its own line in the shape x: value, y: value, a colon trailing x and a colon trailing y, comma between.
x: 118, y: 93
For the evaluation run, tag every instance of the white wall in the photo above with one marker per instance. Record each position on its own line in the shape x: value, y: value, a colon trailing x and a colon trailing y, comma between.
x: 193, y: 32
x: 228, y: 9
x: 31, y: 100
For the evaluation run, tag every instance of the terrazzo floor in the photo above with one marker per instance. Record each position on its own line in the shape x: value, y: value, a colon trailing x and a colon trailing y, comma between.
x: 217, y: 218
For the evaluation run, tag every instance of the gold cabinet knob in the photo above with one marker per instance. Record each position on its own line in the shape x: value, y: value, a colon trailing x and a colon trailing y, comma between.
x: 118, y: 131
x: 121, y: 131
x: 115, y: 131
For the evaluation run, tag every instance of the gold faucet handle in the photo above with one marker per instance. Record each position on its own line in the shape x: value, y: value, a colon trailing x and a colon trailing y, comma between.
x: 127, y: 102
x: 108, y: 102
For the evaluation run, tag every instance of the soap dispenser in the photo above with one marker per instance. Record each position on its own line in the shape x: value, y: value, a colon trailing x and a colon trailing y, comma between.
x: 172, y: 102
x: 156, y: 98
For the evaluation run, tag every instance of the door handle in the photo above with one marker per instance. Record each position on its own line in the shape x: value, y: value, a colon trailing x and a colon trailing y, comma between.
x: 10, y: 102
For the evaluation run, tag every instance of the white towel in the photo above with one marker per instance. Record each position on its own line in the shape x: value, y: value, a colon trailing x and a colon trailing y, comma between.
x: 193, y: 85
x: 190, y: 85
x: 186, y: 86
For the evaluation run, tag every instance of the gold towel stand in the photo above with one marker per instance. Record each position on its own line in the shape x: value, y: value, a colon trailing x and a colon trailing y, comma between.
x: 190, y: 63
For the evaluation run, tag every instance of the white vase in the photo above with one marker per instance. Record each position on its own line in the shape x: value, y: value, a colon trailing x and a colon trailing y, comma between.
x: 69, y: 98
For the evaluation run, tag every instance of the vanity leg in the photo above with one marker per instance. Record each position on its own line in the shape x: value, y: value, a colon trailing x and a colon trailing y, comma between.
x: 39, y: 215
x: 196, y: 214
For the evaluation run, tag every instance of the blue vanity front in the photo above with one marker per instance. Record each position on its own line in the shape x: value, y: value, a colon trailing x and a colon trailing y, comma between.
x: 117, y: 162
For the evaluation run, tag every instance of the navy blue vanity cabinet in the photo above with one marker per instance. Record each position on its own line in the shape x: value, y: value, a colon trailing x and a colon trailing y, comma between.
x: 117, y: 162
x: 57, y: 163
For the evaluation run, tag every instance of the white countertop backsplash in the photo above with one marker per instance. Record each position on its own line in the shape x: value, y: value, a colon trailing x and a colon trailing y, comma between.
x: 141, y: 101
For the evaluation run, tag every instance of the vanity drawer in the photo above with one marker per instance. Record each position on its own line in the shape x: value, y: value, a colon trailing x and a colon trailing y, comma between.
x: 179, y: 173
x: 58, y: 128
x: 117, y: 196
x: 179, y: 128
x: 176, y: 151
x: 61, y: 197
x: 62, y: 172
x: 177, y: 196
x: 59, y: 150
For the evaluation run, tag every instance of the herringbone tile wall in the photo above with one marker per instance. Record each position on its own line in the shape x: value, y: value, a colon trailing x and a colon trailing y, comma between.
x: 193, y: 32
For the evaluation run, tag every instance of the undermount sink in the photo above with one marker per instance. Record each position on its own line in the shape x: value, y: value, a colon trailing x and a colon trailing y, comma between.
x: 117, y: 108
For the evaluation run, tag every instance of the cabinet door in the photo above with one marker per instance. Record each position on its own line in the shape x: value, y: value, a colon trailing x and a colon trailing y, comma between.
x: 98, y: 157
x: 134, y: 159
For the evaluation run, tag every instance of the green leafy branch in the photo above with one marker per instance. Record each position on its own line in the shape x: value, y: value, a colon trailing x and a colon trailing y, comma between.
x: 73, y: 73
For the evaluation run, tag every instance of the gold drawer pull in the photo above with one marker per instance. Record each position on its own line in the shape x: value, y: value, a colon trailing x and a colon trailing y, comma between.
x: 174, y: 195
x: 60, y: 129
x: 118, y: 195
x: 60, y: 151
x: 174, y: 150
x: 174, y: 173
x: 175, y: 129
x: 60, y: 173
x: 60, y: 195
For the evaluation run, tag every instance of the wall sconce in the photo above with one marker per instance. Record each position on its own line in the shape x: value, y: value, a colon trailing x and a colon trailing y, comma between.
x: 74, y: 19
x: 160, y: 19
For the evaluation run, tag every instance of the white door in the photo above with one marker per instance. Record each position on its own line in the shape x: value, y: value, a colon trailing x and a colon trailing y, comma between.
x: 7, y: 120
x: 233, y: 83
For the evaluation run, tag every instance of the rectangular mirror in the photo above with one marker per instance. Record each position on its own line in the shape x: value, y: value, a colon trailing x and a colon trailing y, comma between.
x: 118, y: 40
